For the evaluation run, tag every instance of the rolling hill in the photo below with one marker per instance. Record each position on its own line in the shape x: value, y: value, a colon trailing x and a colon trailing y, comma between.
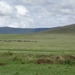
x: 69, y: 29
x: 8, y: 30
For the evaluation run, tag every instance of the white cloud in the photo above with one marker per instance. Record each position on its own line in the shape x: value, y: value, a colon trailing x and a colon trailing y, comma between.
x: 36, y: 13
x: 33, y: 2
x: 2, y: 21
x: 21, y: 10
x: 14, y: 16
x: 5, y: 8
x: 14, y: 25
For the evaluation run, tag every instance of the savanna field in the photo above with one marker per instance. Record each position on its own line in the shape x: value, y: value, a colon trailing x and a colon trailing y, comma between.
x: 37, y: 37
x: 37, y: 54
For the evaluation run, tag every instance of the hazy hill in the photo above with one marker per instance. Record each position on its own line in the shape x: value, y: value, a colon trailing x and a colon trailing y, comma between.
x: 64, y: 29
x: 8, y: 30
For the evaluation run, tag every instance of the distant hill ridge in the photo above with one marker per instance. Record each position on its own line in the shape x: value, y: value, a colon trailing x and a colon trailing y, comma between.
x: 69, y: 29
x: 9, y: 30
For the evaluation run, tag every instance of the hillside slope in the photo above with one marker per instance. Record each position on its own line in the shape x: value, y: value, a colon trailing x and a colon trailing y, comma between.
x: 69, y: 29
x: 8, y: 30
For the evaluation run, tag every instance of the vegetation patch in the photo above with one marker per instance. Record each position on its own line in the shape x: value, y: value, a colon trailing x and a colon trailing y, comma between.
x: 44, y: 61
x: 2, y: 64
x: 17, y: 41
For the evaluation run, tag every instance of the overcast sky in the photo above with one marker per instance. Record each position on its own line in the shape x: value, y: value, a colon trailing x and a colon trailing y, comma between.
x: 36, y: 13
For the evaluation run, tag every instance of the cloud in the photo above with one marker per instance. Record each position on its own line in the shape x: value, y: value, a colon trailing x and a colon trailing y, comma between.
x: 14, y: 16
x: 21, y: 10
x: 1, y: 22
x: 5, y: 8
x: 33, y: 2
x: 14, y: 25
x: 36, y: 13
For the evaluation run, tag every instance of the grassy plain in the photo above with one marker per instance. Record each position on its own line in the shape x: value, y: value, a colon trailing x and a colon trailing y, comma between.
x: 37, y: 54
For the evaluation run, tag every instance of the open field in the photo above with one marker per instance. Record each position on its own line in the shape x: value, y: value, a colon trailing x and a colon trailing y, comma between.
x: 37, y: 54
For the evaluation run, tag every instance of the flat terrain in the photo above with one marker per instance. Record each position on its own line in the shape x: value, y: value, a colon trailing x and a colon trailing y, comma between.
x: 37, y: 54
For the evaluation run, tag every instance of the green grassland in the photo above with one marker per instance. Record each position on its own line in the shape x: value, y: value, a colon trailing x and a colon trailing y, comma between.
x: 44, y: 53
x: 37, y: 54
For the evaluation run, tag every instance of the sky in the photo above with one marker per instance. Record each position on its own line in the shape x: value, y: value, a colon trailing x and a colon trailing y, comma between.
x: 36, y: 13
